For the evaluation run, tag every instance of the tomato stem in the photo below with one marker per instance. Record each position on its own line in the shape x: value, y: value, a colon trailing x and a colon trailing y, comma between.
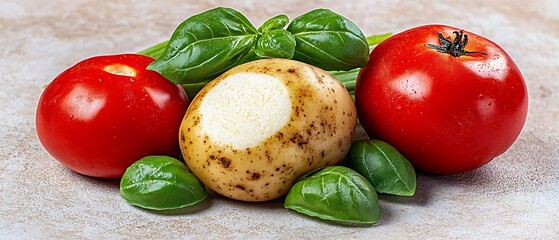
x: 456, y: 48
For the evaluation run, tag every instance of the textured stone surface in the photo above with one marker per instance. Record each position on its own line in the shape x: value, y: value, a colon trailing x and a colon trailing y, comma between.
x: 513, y: 197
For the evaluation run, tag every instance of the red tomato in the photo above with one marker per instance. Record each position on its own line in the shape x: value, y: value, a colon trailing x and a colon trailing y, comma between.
x: 104, y: 113
x: 446, y: 111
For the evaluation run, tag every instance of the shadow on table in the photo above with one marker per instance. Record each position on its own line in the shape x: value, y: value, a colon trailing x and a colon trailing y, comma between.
x: 428, y: 185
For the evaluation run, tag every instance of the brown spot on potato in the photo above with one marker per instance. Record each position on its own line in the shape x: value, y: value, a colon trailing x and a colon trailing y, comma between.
x: 304, y: 93
x: 225, y: 162
x: 255, y: 176
x: 183, y: 138
x: 298, y: 139
x: 279, y: 135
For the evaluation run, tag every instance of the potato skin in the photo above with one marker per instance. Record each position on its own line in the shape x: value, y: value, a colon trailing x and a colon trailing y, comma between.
x: 318, y: 134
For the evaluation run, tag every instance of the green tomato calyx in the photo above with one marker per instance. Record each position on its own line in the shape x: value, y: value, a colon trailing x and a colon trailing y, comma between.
x: 456, y: 48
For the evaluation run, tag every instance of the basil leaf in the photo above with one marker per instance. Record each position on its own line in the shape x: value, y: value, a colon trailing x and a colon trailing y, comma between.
x: 383, y: 166
x: 206, y: 45
x: 335, y: 193
x: 329, y: 41
x: 278, y: 43
x: 277, y: 22
x: 161, y: 183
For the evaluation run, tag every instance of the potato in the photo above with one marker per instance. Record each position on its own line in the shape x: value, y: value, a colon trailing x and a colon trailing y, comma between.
x: 251, y: 132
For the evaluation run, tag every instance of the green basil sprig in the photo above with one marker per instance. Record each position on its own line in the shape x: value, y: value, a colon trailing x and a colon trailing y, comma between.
x: 210, y: 43
x: 161, y: 183
x: 335, y: 193
x: 348, y: 78
x: 383, y: 166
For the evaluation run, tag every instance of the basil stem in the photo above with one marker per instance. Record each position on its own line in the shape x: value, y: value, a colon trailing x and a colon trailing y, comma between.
x: 347, y: 78
x: 376, y: 39
x: 155, y: 51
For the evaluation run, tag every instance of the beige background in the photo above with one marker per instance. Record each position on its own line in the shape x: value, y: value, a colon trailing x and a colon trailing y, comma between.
x: 513, y: 197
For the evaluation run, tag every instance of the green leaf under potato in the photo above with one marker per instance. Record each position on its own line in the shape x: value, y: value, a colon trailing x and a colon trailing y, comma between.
x: 383, y: 166
x: 335, y: 193
x: 161, y: 183
x: 206, y: 45
x: 329, y: 41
